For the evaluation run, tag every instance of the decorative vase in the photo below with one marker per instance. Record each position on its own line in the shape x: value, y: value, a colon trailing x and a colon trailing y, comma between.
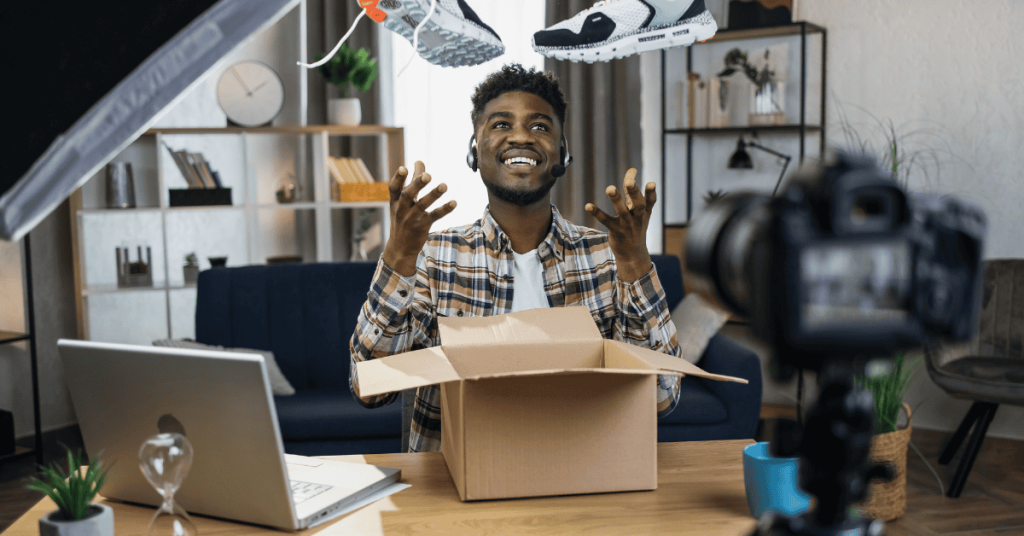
x: 100, y: 522
x: 344, y: 112
x: 217, y: 262
x: 768, y: 104
x: 191, y: 272
x: 888, y: 500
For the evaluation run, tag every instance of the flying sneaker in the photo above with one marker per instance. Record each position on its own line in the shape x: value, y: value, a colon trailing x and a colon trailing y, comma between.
x: 613, y: 29
x: 453, y: 35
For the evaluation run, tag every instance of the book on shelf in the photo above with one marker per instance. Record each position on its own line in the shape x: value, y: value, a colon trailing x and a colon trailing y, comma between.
x: 364, y: 171
x: 202, y: 169
x: 185, y: 167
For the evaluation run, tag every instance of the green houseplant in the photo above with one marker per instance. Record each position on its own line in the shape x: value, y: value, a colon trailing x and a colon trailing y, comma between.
x: 888, y: 500
x: 349, y: 69
x: 73, y: 492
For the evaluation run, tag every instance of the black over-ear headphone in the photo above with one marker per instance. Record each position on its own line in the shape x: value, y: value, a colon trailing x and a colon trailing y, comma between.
x: 557, y: 170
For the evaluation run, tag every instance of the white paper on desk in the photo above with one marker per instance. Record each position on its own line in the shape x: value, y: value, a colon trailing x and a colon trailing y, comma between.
x: 373, y: 497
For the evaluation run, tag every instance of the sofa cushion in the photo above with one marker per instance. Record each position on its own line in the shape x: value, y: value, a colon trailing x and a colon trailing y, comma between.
x: 696, y: 405
x: 331, y: 414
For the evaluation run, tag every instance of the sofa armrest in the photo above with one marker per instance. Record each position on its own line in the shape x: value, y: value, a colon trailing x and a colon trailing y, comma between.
x: 743, y: 402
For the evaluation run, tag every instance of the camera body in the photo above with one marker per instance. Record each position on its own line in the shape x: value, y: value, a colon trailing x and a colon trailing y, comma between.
x: 843, y: 263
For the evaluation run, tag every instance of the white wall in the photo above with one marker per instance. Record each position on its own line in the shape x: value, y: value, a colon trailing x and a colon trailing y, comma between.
x: 951, y: 73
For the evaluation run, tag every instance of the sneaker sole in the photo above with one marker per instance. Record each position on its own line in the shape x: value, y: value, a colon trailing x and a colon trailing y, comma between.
x: 684, y: 34
x: 445, y: 39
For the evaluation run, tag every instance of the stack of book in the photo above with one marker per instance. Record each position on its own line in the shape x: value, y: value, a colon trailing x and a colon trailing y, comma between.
x: 195, y: 169
x: 352, y: 181
x: 204, y: 185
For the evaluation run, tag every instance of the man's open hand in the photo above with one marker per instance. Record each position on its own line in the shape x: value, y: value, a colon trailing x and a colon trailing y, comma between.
x: 410, y: 220
x: 627, y: 230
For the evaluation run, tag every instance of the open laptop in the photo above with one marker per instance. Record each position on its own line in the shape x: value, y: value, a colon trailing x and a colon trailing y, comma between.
x: 220, y: 401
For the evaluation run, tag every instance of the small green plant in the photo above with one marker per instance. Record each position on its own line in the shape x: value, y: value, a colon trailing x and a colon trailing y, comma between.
x: 74, y: 491
x: 350, y: 68
x: 191, y: 259
x: 887, y: 391
x: 713, y: 195
x: 736, y: 59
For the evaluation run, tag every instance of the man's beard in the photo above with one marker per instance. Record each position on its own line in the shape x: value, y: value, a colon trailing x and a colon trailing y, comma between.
x: 520, y: 198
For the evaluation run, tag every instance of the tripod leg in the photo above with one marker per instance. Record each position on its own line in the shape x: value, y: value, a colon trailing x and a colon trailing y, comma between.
x: 961, y: 433
x: 973, y: 447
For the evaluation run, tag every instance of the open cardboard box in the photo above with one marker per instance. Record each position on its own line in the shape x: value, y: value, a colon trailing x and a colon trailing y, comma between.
x: 537, y: 403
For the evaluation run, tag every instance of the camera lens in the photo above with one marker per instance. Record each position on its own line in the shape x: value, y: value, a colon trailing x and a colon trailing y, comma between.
x: 718, y: 247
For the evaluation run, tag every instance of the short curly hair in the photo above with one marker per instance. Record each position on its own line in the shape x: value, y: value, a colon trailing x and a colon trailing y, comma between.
x: 514, y: 77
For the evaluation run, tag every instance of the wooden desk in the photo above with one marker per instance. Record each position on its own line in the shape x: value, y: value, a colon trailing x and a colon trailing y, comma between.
x: 700, y: 491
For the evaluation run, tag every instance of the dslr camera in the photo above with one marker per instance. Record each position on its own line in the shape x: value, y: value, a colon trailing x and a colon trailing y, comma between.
x: 843, y: 263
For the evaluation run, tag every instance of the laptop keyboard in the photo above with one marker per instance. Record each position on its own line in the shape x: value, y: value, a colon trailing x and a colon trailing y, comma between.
x: 307, y: 490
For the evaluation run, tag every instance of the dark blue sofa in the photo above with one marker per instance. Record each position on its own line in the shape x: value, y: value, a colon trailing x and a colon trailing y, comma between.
x: 306, y: 313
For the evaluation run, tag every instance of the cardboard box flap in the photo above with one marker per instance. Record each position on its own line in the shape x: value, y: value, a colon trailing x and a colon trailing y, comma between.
x: 418, y: 368
x: 568, y: 372
x: 479, y: 360
x: 660, y: 361
x: 559, y: 324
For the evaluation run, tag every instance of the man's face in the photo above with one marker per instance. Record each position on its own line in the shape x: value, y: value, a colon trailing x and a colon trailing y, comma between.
x: 517, y: 143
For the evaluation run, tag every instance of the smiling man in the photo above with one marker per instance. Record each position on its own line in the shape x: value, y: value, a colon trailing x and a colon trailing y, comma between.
x: 520, y: 255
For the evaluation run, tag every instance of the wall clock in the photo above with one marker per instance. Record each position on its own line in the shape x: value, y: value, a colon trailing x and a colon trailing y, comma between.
x: 250, y: 93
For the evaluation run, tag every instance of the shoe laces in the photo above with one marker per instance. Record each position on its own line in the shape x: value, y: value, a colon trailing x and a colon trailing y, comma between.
x: 416, y: 36
x: 362, y: 13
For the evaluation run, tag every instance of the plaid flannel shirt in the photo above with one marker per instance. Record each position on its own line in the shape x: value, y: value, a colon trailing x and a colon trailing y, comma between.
x: 468, y: 271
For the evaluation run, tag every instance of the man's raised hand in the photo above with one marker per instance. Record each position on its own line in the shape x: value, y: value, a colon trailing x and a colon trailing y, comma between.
x: 627, y: 230
x: 410, y: 219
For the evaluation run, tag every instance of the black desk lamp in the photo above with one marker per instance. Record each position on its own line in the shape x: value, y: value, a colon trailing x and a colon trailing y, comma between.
x: 741, y: 160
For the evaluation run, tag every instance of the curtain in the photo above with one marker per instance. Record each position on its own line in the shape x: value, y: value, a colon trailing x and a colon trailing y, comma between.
x: 326, y: 22
x: 602, y: 124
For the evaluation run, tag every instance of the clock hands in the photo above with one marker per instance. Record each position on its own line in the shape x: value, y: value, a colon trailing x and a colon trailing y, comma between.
x: 257, y: 88
x: 240, y: 81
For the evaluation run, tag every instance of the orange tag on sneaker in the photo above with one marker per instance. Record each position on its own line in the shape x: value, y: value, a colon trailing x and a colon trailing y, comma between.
x: 371, y: 9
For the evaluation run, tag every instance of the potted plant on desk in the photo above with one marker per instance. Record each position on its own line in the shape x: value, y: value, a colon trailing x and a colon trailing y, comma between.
x: 73, y: 493
x: 349, y: 69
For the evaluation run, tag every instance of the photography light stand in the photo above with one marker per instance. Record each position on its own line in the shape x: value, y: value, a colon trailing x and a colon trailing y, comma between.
x: 741, y: 160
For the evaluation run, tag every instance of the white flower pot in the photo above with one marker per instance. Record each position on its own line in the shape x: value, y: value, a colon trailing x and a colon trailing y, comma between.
x: 344, y: 112
x: 100, y: 524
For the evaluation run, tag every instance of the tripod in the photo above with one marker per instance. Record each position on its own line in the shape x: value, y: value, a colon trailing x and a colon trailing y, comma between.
x: 833, y: 447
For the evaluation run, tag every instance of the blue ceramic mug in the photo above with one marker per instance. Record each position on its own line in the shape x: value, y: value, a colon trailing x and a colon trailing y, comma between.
x: 772, y: 482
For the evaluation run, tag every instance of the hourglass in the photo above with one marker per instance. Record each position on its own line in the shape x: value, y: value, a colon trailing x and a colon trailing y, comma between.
x: 165, y: 460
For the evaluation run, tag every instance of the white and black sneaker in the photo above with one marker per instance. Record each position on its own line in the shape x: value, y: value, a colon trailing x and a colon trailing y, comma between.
x: 453, y: 35
x: 617, y: 28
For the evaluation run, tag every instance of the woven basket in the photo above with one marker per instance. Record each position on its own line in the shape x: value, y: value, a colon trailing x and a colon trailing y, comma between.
x: 888, y: 500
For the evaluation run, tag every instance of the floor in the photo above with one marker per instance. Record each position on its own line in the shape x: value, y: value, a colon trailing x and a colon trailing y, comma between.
x: 992, y: 501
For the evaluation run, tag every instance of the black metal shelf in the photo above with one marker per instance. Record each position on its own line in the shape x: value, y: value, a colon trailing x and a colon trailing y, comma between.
x: 8, y: 337
x: 740, y: 130
x: 799, y: 29
x: 794, y: 28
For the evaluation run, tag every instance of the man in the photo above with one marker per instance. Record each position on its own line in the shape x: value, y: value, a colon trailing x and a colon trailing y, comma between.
x: 520, y: 255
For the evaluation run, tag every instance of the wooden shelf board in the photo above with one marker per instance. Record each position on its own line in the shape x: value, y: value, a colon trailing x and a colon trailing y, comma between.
x: 12, y: 336
x: 332, y: 130
x: 360, y: 204
x: 755, y: 33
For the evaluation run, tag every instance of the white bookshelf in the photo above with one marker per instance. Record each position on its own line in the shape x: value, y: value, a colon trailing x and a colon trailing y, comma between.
x: 251, y: 229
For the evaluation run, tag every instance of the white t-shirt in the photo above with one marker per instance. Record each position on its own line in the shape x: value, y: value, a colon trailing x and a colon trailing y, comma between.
x: 528, y: 282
